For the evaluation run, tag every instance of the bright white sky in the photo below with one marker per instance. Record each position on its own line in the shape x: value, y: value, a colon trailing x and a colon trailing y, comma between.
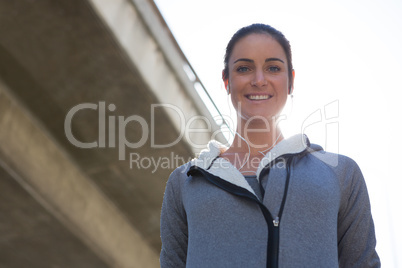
x: 347, y: 56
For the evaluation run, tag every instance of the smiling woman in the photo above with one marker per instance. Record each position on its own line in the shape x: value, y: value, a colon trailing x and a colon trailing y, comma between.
x: 265, y: 201
x: 258, y: 81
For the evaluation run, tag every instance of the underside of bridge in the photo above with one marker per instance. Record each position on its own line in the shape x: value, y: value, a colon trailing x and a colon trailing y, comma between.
x: 81, y: 173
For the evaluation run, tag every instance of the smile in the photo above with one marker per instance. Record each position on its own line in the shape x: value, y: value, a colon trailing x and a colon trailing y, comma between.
x: 258, y: 97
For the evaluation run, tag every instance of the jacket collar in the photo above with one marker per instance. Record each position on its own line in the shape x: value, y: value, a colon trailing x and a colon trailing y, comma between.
x: 210, y: 161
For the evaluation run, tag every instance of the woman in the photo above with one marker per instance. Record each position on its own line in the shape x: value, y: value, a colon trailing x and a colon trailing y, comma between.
x: 265, y: 201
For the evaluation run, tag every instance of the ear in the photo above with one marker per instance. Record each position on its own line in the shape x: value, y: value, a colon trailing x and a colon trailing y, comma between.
x: 226, y: 83
x: 293, y: 80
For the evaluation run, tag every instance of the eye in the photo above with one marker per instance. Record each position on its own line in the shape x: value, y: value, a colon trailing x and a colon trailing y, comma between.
x: 242, y: 69
x: 274, y: 69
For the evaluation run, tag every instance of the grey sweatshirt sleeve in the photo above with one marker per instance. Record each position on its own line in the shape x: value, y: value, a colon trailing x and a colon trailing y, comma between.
x: 174, y: 232
x: 356, y: 236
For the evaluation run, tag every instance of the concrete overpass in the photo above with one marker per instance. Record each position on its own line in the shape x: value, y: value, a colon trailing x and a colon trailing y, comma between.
x: 82, y: 129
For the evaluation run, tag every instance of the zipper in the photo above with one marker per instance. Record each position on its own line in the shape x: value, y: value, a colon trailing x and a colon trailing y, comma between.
x: 276, y: 222
x: 273, y: 224
x: 273, y: 237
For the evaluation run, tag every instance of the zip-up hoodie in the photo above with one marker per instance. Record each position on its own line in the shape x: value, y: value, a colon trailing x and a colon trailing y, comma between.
x: 306, y: 208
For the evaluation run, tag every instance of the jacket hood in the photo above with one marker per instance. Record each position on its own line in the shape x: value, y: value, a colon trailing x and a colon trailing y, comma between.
x: 210, y: 161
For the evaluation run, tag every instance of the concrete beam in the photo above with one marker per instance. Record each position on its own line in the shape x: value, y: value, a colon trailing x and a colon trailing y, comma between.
x: 137, y: 27
x: 52, y: 177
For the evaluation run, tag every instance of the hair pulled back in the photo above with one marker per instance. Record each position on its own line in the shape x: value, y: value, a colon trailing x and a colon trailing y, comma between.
x: 258, y: 28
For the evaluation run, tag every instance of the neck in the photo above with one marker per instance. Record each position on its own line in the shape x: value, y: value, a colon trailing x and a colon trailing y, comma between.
x: 260, y: 135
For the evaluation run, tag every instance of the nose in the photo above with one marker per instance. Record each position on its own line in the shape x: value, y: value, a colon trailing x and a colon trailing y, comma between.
x: 259, y: 79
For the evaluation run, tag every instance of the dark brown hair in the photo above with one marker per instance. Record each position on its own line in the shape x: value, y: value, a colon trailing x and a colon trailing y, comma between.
x: 258, y: 28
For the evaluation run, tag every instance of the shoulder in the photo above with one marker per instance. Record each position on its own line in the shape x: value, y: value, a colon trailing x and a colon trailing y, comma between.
x: 181, y: 170
x: 336, y: 162
x: 178, y: 176
x: 343, y: 168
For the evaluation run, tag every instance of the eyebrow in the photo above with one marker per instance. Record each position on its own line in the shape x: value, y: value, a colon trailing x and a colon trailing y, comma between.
x: 266, y: 60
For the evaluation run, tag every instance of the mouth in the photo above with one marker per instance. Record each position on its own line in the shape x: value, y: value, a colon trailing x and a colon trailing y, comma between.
x: 258, y: 96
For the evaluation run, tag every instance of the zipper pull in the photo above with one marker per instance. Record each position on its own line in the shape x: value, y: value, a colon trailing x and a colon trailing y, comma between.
x: 276, y: 222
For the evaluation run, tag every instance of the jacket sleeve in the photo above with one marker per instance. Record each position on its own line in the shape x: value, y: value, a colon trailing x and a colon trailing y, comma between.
x: 174, y: 232
x: 356, y: 235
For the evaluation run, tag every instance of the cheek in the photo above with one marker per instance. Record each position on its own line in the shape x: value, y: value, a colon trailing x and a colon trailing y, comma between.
x: 233, y: 86
x: 237, y: 80
x: 235, y: 99
x: 282, y: 84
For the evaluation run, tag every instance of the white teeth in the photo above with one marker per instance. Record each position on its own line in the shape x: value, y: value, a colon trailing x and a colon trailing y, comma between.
x: 257, y: 97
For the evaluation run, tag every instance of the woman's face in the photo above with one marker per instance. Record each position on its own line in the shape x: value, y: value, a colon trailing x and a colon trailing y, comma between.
x: 258, y: 77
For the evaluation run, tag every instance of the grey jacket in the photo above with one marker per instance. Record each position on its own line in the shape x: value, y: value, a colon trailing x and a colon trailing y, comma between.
x: 307, y: 208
